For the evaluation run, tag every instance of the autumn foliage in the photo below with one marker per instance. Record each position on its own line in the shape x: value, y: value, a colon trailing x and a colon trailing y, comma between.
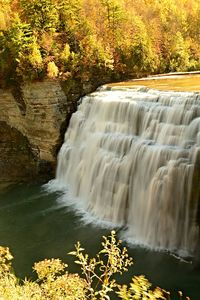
x: 83, y: 38
x: 96, y: 280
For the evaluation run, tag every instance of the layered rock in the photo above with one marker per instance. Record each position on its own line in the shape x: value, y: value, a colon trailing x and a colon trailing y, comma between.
x: 39, y: 112
x: 35, y: 117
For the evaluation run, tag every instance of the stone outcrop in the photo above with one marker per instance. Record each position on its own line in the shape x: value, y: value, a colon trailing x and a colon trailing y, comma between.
x: 34, y: 118
x: 36, y: 115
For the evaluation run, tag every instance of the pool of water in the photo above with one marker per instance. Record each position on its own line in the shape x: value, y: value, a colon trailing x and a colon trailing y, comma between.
x: 35, y: 225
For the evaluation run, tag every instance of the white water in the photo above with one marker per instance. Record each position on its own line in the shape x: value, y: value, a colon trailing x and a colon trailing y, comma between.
x: 129, y: 158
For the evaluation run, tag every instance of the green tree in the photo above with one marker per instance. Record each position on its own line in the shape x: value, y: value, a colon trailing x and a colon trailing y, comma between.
x: 87, y: 37
x: 179, y: 54
x: 115, y: 17
x: 14, y: 45
x: 41, y: 14
x: 137, y: 53
x: 70, y: 12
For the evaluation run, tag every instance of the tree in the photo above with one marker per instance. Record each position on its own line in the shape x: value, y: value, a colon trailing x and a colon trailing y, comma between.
x: 120, y: 38
x: 15, y: 42
x: 41, y: 14
x: 115, y: 16
x: 137, y: 53
x: 179, y: 56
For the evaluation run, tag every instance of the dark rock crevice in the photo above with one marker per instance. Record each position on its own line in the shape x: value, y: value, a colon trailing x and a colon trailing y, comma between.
x: 17, y: 162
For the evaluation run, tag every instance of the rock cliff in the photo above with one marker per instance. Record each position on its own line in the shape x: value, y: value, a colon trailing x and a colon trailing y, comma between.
x: 31, y: 122
x: 33, y: 119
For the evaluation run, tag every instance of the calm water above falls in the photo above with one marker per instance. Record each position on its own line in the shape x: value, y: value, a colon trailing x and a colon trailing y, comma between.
x: 131, y: 157
x: 37, y: 225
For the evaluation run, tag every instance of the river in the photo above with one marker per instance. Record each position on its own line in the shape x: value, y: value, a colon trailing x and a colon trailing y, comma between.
x: 36, y: 224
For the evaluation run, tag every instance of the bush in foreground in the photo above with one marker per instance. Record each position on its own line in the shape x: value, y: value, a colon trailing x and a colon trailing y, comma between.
x: 96, y: 282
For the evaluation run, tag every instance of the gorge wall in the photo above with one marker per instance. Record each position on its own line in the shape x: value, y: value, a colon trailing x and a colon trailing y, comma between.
x: 33, y: 119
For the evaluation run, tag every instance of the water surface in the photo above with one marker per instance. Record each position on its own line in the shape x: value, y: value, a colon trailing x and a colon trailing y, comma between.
x: 36, y: 225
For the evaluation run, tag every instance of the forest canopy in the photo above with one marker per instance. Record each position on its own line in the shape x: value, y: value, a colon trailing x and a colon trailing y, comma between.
x: 80, y: 38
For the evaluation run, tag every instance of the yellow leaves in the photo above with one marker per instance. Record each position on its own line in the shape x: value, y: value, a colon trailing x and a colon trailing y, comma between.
x: 103, y: 37
x: 5, y: 258
x: 35, y: 56
x: 140, y: 288
x: 52, y: 70
x: 71, y: 286
x: 49, y: 268
x: 5, y: 14
x: 54, y: 282
x: 5, y: 254
x: 140, y: 284
x: 2, y: 21
x: 66, y: 52
x: 99, y: 271
x: 96, y: 282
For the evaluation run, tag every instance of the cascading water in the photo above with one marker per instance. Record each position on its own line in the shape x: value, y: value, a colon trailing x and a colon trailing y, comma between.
x: 132, y: 157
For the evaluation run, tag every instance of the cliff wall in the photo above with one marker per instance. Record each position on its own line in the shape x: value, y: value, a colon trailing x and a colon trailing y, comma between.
x: 32, y: 121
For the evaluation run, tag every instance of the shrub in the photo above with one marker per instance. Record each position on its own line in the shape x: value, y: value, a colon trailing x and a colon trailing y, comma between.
x: 96, y: 282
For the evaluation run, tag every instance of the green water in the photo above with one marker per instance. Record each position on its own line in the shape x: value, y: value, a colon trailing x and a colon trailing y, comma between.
x: 36, y: 226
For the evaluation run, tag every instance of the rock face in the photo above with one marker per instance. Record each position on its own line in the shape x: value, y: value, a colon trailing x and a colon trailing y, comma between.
x: 31, y: 130
x: 36, y: 115
x: 17, y: 161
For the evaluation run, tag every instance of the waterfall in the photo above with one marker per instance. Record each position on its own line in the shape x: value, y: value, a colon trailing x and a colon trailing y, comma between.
x: 131, y: 156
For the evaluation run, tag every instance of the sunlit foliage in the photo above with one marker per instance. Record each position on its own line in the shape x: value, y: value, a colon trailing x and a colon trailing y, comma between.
x: 96, y: 279
x: 115, y: 38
